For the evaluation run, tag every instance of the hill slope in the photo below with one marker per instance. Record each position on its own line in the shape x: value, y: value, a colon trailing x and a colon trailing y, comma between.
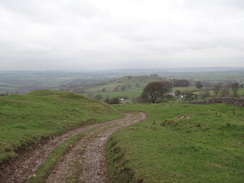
x: 30, y: 118
x: 124, y: 87
x: 180, y: 143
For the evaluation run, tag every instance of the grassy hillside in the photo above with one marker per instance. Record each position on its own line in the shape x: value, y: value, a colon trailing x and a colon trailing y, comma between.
x: 180, y: 143
x: 127, y: 86
x: 25, y: 81
x: 27, y: 119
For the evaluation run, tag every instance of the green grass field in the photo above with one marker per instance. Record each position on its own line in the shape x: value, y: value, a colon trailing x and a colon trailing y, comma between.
x: 136, y: 84
x: 241, y: 91
x: 176, y: 143
x: 180, y: 143
x: 184, y: 89
x: 27, y: 119
x: 129, y: 93
x: 133, y: 87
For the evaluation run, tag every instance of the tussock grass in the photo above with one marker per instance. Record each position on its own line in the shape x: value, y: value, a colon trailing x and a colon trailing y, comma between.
x: 28, y: 119
x: 180, y: 143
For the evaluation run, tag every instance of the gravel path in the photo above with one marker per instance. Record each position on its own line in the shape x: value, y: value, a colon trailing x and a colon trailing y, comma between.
x: 84, y: 162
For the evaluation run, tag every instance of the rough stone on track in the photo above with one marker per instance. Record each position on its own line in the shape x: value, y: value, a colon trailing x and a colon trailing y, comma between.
x: 89, y: 154
x: 94, y: 141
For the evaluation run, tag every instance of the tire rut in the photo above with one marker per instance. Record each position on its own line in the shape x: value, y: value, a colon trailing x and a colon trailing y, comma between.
x: 95, y: 170
x: 29, y: 163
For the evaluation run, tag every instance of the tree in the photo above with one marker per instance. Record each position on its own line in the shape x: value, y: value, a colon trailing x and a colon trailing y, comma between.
x: 154, y: 91
x: 225, y: 92
x: 99, y: 97
x: 114, y: 100
x: 178, y: 93
x: 234, y: 88
x: 216, y: 88
x: 198, y: 85
x: 205, y: 94
x: 180, y: 83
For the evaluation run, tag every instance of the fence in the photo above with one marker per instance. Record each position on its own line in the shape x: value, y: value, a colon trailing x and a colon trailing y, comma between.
x: 235, y: 101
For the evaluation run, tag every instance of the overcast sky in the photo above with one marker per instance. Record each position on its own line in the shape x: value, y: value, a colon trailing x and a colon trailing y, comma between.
x: 107, y: 34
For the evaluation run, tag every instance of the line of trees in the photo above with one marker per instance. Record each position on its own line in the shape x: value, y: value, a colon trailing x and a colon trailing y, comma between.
x: 158, y: 91
x: 180, y: 83
x: 224, y: 89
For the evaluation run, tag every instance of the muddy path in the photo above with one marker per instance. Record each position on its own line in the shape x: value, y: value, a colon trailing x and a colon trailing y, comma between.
x: 84, y: 162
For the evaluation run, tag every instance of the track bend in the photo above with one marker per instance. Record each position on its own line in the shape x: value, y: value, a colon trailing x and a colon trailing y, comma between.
x: 84, y: 162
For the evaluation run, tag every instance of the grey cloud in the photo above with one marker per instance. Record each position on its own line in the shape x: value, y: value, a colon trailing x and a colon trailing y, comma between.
x: 45, y: 11
x: 86, y: 9
x: 31, y: 10
x: 109, y: 34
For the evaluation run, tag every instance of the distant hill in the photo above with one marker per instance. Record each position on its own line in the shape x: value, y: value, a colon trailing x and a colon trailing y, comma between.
x: 162, y: 71
x: 26, y: 81
x: 124, y: 87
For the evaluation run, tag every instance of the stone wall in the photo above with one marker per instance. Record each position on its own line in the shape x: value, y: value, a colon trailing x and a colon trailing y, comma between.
x: 236, y: 101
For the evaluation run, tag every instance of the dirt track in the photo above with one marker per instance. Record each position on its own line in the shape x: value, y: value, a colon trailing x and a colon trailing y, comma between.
x: 84, y: 162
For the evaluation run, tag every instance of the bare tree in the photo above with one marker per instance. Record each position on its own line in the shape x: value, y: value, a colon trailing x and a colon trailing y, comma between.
x: 205, y: 94
x: 154, y: 91
x: 234, y: 88
x: 225, y: 92
x: 216, y: 88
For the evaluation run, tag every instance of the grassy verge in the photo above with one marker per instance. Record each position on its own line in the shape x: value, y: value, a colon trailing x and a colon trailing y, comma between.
x: 180, y: 143
x: 27, y: 119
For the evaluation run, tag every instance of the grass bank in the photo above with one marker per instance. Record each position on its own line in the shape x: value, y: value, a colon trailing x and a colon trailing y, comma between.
x: 180, y: 143
x: 30, y: 118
